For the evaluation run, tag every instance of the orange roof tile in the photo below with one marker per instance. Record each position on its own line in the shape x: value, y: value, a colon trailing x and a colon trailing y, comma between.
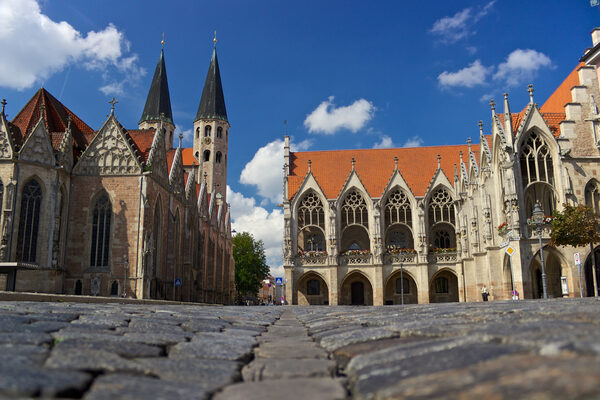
x: 188, y: 156
x: 562, y: 95
x: 375, y: 167
x: 170, y: 158
x: 143, y: 140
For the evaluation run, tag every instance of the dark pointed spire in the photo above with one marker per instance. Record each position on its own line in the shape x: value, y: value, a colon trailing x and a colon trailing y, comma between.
x: 212, y: 103
x: 159, y: 100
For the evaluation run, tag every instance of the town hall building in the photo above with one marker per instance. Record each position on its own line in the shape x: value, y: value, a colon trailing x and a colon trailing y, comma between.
x: 433, y: 224
x: 117, y: 211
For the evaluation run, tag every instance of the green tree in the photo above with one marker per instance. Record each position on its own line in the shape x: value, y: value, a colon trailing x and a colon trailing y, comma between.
x: 576, y: 226
x: 250, y: 264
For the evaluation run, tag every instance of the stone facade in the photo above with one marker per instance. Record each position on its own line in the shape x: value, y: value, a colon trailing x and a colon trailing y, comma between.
x: 432, y: 224
x: 113, y: 212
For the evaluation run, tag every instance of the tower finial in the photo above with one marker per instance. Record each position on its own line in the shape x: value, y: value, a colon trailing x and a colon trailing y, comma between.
x: 353, y: 162
x: 3, y: 102
x: 112, y: 106
x: 162, y: 42
x: 395, y: 162
x: 460, y: 154
x: 493, y: 105
x: 469, y: 144
x: 530, y: 90
x: 480, y: 125
x: 180, y: 138
x: 439, y: 159
x: 309, y: 166
x: 215, y: 39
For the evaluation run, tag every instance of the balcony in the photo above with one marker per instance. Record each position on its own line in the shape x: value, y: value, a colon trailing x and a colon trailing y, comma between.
x: 311, y: 258
x: 443, y: 257
x: 356, y: 259
x: 399, y: 258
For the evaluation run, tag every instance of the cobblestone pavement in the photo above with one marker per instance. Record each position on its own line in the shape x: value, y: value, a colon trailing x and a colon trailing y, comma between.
x: 525, y: 349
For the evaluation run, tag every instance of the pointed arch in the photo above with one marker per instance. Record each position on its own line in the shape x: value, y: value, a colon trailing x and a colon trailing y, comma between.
x: 101, y: 231
x: 29, y: 220
x: 443, y: 286
x: 397, y: 219
x: 592, y: 195
x: 400, y: 288
x: 356, y: 289
x: 312, y: 289
x: 441, y: 218
x: 311, y: 222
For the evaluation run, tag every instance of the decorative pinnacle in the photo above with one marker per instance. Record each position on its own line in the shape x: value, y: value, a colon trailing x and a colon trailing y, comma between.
x: 353, y: 162
x: 439, y: 159
x: 396, y: 162
x: 460, y: 154
x: 309, y: 165
x: 530, y: 90
x: 3, y: 102
x: 205, y: 175
x: 480, y: 124
x: 493, y: 104
x: 112, y: 106
x: 505, y: 96
x: 180, y: 138
x: 162, y: 42
x: 215, y: 39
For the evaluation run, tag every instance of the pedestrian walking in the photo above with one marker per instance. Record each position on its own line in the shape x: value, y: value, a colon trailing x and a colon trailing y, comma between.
x: 485, y: 293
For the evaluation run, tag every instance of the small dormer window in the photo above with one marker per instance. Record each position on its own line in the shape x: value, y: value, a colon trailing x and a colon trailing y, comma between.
x: 207, y: 155
x: 218, y: 157
x: 207, y: 131
x: 219, y: 132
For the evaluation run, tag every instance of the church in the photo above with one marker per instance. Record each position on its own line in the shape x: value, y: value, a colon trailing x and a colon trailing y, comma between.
x: 448, y: 223
x: 117, y: 211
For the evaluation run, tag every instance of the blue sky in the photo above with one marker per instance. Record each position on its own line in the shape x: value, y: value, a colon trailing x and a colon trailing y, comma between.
x: 344, y: 74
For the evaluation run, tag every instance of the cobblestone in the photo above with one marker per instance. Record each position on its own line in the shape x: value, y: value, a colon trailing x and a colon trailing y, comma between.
x: 523, y: 349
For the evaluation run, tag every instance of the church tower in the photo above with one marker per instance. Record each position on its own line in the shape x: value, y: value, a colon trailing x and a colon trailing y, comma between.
x: 158, y: 104
x: 211, y: 132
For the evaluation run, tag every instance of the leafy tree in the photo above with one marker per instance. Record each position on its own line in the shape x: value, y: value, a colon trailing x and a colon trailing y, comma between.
x: 250, y: 264
x: 576, y: 226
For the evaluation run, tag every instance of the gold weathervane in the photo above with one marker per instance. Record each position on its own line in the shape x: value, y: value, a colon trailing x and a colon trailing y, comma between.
x: 162, y: 42
x: 215, y: 39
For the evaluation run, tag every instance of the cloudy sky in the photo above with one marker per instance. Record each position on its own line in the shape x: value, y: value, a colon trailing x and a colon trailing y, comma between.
x: 344, y: 74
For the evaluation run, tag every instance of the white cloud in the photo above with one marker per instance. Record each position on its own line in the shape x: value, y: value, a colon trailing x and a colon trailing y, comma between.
x: 414, y: 141
x: 265, y: 170
x: 470, y: 76
x: 522, y: 65
x: 262, y: 224
x: 34, y: 47
x: 385, y: 143
x: 188, y: 137
x: 458, y: 26
x: 328, y: 119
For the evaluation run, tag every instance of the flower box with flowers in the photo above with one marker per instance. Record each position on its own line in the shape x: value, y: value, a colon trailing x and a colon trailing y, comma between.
x: 355, y: 253
x: 503, y: 229
x: 311, y: 253
x: 398, y: 250
x: 546, y: 221
x: 444, y: 250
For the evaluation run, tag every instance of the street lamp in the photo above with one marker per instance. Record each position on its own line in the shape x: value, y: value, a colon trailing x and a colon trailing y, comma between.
x: 537, y: 217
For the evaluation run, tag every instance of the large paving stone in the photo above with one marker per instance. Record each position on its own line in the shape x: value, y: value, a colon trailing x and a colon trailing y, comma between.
x: 334, y: 342
x: 130, y: 350
x: 131, y: 387
x: 89, y: 360
x: 22, y: 355
x: 213, y: 349
x: 270, y: 369
x: 289, y: 389
x: 16, y: 381
x: 290, y: 349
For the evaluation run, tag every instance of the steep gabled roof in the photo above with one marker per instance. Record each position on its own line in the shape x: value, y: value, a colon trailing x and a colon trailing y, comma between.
x: 212, y: 102
x: 562, y: 95
x: 143, y: 140
x: 158, y: 101
x: 374, y: 166
x: 56, y: 117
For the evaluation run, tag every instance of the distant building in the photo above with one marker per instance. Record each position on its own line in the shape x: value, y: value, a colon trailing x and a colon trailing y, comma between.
x: 431, y: 224
x: 266, y: 293
x: 117, y: 212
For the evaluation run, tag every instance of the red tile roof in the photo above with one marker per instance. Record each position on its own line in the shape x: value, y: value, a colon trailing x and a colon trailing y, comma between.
x: 375, y: 167
x: 562, y: 95
x: 188, y: 157
x: 56, y: 120
x: 143, y: 140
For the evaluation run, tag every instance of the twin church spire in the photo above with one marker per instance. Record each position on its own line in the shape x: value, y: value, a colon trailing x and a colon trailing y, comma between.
x: 211, y: 127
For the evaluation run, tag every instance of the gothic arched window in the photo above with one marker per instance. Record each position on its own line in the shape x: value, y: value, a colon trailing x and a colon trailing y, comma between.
x: 218, y: 157
x: 397, y: 209
x: 536, y: 161
x: 101, y: 219
x: 206, y: 155
x: 441, y: 208
x: 311, y: 223
x: 207, y: 129
x: 592, y: 196
x: 219, y: 132
x: 29, y: 221
x: 354, y: 210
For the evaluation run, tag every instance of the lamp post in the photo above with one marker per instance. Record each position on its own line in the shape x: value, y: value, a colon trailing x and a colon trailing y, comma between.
x: 537, y: 216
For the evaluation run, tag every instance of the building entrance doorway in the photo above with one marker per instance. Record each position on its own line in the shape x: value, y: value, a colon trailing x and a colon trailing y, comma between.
x: 357, y: 290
